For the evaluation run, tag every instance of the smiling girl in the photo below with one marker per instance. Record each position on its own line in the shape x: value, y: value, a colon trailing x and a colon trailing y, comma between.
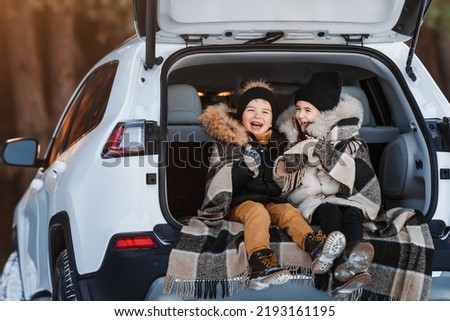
x: 328, y: 173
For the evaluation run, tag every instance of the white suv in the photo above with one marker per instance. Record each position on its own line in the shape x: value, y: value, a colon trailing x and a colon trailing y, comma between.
x: 128, y: 159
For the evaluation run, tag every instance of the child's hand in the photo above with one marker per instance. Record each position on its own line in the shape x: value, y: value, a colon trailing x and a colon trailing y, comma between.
x: 252, y: 160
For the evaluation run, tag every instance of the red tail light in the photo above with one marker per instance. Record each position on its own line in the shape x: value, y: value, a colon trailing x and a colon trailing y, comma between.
x: 127, y: 139
x: 135, y: 242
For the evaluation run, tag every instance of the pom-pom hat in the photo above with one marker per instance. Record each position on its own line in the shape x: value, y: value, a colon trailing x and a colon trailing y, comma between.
x: 323, y: 90
x: 257, y: 90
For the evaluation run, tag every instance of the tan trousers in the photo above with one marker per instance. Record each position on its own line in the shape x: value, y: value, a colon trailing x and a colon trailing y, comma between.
x: 257, y: 218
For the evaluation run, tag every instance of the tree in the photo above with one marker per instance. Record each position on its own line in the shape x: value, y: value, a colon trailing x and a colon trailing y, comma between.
x: 47, y: 47
x: 434, y: 44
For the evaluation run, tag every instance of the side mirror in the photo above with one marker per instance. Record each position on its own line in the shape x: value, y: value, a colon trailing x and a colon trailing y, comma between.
x: 21, y: 152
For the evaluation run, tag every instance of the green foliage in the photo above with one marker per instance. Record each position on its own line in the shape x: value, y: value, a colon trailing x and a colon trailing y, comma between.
x: 118, y: 14
x: 115, y: 16
x: 438, y: 16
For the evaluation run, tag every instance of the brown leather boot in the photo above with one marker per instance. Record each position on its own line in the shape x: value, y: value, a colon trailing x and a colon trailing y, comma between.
x: 266, y: 271
x: 324, y: 249
x: 357, y: 260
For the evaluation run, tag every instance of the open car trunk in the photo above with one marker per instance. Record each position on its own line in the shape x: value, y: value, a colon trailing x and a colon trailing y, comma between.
x: 285, y: 45
x: 217, y: 76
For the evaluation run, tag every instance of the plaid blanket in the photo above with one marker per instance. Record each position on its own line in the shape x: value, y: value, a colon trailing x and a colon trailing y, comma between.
x: 402, y: 265
x: 211, y: 254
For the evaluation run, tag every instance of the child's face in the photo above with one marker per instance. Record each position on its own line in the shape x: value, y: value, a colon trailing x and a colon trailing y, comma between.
x: 257, y: 116
x: 305, y: 114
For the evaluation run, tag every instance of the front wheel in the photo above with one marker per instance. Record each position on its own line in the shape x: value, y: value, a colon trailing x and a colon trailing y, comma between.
x: 11, y: 288
x: 63, y: 285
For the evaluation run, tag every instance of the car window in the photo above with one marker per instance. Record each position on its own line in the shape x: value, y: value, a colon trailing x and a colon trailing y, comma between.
x: 86, y: 109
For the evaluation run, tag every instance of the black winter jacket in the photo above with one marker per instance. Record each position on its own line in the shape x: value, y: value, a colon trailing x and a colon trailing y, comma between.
x: 231, y: 180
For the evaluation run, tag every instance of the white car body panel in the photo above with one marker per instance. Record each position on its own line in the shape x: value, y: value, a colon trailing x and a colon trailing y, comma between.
x: 215, y: 17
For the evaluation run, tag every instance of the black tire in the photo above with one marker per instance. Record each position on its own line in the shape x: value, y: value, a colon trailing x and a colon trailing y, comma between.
x: 63, y: 285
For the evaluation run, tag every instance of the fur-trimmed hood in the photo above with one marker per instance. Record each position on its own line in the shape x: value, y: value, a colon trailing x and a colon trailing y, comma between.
x: 219, y: 123
x: 241, y: 167
x: 342, y: 122
x: 342, y: 173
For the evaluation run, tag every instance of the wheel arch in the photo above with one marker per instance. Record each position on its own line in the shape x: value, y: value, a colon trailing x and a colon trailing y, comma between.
x: 60, y: 239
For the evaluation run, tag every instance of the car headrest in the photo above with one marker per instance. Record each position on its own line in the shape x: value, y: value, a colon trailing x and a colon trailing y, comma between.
x: 184, y: 105
x: 358, y: 93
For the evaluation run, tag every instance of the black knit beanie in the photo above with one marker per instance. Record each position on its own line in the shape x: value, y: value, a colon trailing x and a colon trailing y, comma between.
x: 257, y: 93
x: 323, y: 90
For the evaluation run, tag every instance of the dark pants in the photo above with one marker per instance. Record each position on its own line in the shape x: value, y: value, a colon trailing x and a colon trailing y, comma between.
x: 347, y: 219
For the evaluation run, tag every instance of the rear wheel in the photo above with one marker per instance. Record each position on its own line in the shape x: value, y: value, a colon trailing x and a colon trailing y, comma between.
x: 63, y: 285
x: 11, y: 288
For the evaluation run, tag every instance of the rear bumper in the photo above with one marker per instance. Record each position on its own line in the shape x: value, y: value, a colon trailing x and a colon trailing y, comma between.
x: 125, y: 275
x: 440, y: 287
